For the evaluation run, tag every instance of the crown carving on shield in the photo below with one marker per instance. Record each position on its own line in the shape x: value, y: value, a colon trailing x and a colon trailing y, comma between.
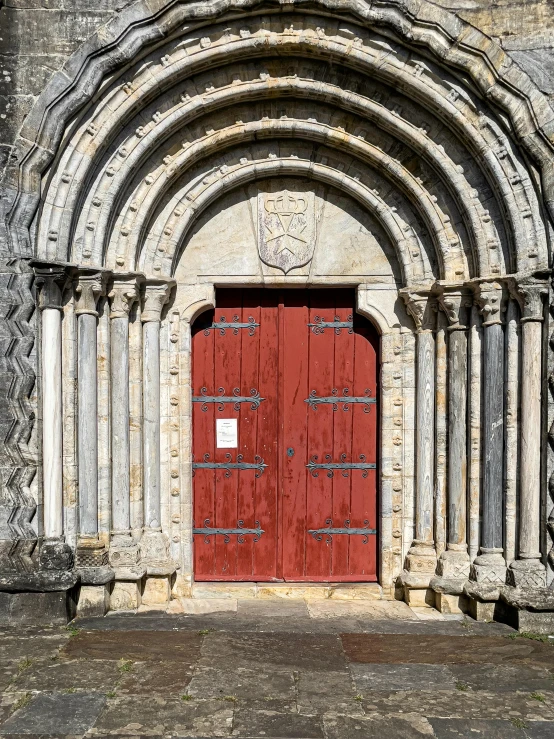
x: 286, y: 204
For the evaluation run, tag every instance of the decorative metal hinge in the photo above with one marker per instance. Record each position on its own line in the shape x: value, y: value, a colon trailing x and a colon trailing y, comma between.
x: 314, y: 400
x: 319, y: 325
x: 240, y: 532
x: 329, y: 531
x: 258, y: 465
x: 343, y: 466
x: 222, y: 325
x: 254, y: 399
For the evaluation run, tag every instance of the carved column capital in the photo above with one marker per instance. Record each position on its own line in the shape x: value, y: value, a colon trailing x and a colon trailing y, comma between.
x: 124, y: 292
x: 529, y: 291
x: 155, y: 295
x: 51, y: 281
x: 422, y: 306
x: 490, y: 297
x: 89, y: 285
x: 456, y: 303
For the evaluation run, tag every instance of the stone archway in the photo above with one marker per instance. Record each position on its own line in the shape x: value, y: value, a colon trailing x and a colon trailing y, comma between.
x: 416, y: 119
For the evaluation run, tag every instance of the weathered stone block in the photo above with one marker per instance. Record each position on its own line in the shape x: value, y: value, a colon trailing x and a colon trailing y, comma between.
x: 31, y: 609
x: 446, y: 603
x: 157, y: 591
x: 94, y: 600
x: 126, y: 595
x: 419, y: 598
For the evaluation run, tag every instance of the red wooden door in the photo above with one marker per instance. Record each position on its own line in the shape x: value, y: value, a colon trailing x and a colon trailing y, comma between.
x: 292, y: 494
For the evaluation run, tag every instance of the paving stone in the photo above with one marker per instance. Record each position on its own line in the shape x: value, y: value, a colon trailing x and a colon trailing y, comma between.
x: 56, y: 713
x: 319, y: 692
x: 7, y: 673
x: 286, y: 609
x: 61, y: 674
x: 376, y: 726
x: 136, y: 645
x: 155, y: 678
x: 262, y: 683
x: 133, y: 715
x: 401, y: 677
x: 19, y: 646
x: 274, y: 725
x: 390, y: 609
x: 463, y: 704
x: 460, y: 729
x: 373, y: 648
x: 539, y: 730
x: 298, y: 651
x: 504, y: 677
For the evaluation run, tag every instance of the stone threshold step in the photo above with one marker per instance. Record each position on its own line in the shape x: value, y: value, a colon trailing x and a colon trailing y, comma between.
x: 291, y: 591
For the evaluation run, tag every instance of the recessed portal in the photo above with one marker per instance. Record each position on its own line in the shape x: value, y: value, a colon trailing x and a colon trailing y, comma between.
x: 285, y: 421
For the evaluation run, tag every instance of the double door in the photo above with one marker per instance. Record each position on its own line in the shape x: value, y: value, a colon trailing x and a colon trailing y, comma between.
x: 285, y: 420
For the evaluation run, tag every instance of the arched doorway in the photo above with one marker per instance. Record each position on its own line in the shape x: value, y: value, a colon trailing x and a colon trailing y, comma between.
x: 285, y: 421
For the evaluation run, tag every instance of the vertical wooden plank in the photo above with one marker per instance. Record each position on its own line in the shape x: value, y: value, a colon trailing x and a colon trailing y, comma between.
x: 227, y: 362
x: 203, y: 443
x: 319, y: 434
x: 295, y: 391
x: 342, y: 421
x: 362, y: 554
x: 267, y: 486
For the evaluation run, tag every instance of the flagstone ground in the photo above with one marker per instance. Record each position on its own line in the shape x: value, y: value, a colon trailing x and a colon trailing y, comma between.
x: 278, y: 670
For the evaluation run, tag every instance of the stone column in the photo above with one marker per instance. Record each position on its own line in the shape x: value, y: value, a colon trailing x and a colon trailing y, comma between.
x: 124, y: 550
x: 422, y: 559
x: 528, y: 571
x: 488, y: 571
x: 154, y: 543
x: 92, y: 557
x: 453, y: 565
x: 51, y: 281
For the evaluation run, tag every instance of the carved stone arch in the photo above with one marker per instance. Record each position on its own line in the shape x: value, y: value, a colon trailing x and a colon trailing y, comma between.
x: 445, y: 37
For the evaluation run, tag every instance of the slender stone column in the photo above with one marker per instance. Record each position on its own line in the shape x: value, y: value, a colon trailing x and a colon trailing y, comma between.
x: 489, y: 568
x: 421, y: 559
x: 453, y: 565
x: 51, y: 281
x: 124, y: 550
x: 154, y: 544
x: 89, y: 286
x: 528, y: 571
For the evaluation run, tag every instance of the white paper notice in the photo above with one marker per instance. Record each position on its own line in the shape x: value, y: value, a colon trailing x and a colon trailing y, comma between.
x: 226, y: 433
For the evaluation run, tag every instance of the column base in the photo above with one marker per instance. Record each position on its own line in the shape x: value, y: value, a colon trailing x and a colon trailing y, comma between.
x: 452, y: 574
x: 55, y: 554
x: 157, y: 591
x: 526, y: 573
x: 446, y: 603
x: 124, y: 551
x: 489, y: 568
x: 482, y: 600
x: 126, y: 590
x: 528, y: 609
x: 154, y: 549
x: 421, y: 562
x: 94, y: 600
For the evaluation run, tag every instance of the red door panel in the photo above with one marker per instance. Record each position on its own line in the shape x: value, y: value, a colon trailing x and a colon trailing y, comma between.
x: 297, y: 499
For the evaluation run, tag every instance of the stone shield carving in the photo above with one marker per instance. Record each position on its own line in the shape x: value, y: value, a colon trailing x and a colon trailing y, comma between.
x: 286, y: 229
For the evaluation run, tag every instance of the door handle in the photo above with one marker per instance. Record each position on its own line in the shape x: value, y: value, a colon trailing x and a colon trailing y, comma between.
x: 290, y: 452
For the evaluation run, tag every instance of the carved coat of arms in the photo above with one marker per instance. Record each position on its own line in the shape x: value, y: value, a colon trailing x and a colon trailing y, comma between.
x: 287, y: 231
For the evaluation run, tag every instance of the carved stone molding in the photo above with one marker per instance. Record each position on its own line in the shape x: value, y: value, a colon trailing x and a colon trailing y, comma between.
x: 89, y: 286
x: 156, y: 293
x: 530, y: 292
x: 422, y: 306
x: 124, y: 292
x: 456, y: 303
x: 490, y: 296
x: 51, y: 281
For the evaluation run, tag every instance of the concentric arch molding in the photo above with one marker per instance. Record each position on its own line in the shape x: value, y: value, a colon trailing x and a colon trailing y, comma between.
x: 422, y: 25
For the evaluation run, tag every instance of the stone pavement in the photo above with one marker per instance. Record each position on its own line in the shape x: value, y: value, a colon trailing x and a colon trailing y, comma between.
x: 278, y: 669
